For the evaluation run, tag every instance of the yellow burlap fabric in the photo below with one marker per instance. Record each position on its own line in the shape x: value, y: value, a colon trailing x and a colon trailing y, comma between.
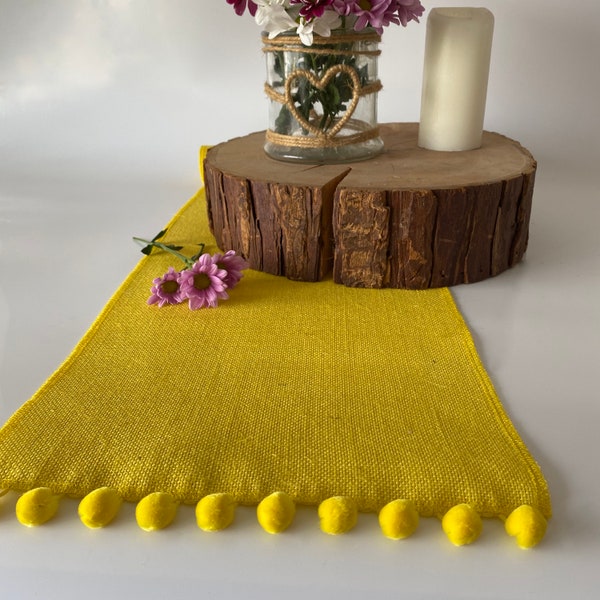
x: 313, y: 389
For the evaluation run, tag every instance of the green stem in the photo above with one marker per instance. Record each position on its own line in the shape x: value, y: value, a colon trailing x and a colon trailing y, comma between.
x: 198, y: 254
x: 188, y: 261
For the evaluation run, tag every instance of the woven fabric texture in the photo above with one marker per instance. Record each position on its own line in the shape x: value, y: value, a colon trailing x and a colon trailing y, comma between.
x: 313, y: 389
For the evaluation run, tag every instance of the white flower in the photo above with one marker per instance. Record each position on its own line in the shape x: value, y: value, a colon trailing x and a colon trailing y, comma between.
x: 321, y: 26
x: 271, y: 15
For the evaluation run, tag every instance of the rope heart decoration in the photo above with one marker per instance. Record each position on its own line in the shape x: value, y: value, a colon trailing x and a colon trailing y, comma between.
x: 321, y: 84
x: 325, y: 137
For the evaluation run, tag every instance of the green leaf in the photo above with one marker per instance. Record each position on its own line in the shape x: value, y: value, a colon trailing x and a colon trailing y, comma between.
x: 279, y: 65
x: 147, y: 250
x: 335, y: 95
x: 283, y: 121
x: 199, y: 253
x: 159, y: 235
x: 363, y: 74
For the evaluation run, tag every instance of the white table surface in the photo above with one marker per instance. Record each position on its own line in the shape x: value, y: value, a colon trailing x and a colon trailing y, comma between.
x: 103, y: 107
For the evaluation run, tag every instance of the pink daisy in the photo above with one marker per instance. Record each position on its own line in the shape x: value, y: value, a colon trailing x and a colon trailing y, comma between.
x: 409, y: 10
x: 312, y: 9
x: 240, y: 6
x: 371, y: 13
x: 203, y: 284
x: 166, y: 289
x: 233, y: 264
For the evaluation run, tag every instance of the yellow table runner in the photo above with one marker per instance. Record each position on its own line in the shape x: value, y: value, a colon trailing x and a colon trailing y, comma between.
x: 312, y: 389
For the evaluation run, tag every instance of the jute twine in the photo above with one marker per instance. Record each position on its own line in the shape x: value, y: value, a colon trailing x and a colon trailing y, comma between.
x: 364, y: 134
x: 329, y: 45
x: 325, y: 46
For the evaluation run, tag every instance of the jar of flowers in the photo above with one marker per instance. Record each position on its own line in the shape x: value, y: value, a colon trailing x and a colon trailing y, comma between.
x: 322, y: 76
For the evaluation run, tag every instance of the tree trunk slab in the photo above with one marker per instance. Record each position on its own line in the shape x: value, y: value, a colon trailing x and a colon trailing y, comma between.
x: 408, y: 218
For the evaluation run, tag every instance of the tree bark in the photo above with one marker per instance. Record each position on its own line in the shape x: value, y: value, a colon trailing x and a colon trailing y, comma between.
x: 409, y: 218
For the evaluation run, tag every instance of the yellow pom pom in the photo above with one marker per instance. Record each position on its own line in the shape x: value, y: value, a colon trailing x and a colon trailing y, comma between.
x: 215, y: 512
x: 156, y: 511
x: 276, y: 512
x: 37, y: 506
x: 99, y: 507
x: 399, y: 519
x: 462, y: 525
x: 338, y: 515
x: 527, y: 525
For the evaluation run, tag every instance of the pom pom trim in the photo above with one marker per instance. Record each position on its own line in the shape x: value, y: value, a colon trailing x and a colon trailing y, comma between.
x: 398, y: 519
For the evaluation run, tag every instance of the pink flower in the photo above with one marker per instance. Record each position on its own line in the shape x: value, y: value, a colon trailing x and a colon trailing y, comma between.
x: 233, y: 265
x: 240, y: 6
x: 203, y: 284
x: 372, y: 13
x: 380, y: 13
x: 312, y: 9
x: 343, y: 7
x: 166, y: 289
x: 409, y: 10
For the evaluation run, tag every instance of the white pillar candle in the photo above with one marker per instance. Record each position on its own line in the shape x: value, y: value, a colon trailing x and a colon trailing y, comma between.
x: 455, y: 76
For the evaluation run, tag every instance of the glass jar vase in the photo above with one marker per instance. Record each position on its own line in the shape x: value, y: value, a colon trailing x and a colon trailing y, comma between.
x: 323, y: 97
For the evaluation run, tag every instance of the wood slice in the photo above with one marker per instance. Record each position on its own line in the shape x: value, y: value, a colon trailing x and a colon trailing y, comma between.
x: 409, y: 218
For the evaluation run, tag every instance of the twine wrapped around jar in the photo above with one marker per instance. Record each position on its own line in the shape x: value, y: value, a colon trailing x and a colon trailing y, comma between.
x: 323, y: 98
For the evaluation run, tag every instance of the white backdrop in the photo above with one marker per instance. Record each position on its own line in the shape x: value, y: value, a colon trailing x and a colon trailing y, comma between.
x: 103, y: 107
x: 170, y: 75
